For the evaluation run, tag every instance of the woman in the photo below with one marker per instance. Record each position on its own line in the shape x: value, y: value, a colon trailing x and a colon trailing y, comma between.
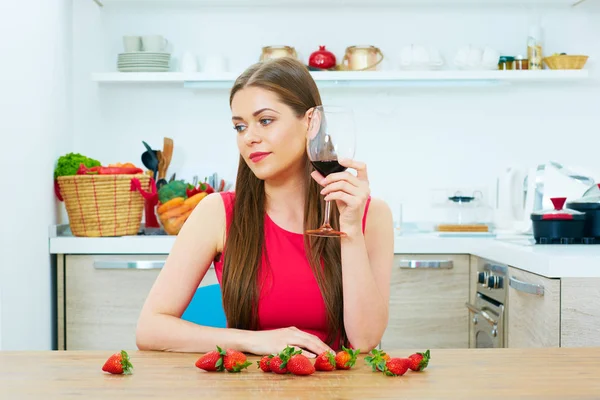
x: 283, y: 295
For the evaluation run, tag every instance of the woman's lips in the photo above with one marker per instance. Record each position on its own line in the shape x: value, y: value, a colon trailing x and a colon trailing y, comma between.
x: 256, y: 157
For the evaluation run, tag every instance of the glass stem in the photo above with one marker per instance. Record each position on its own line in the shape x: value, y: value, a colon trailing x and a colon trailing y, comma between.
x: 327, y: 212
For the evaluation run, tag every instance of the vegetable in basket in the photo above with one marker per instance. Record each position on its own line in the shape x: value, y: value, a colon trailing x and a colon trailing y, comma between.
x: 176, y: 211
x: 69, y: 164
x: 171, y: 190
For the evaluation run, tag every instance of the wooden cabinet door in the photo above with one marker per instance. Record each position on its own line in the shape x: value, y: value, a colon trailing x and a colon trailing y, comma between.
x: 427, y: 302
x: 533, y: 310
x: 104, y: 295
x: 580, y: 312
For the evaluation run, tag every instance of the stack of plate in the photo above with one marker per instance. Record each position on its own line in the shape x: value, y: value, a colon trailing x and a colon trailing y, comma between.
x: 143, y: 61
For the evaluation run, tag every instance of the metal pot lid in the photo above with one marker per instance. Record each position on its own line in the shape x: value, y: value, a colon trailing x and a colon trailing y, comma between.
x: 585, y: 203
x: 558, y: 213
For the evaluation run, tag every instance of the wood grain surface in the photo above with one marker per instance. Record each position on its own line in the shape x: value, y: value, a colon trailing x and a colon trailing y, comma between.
x: 551, y: 373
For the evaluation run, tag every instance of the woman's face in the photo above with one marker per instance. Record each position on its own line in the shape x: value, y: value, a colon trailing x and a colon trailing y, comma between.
x: 270, y: 137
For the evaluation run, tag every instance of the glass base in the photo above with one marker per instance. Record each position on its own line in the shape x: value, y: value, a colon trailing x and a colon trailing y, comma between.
x: 325, y: 231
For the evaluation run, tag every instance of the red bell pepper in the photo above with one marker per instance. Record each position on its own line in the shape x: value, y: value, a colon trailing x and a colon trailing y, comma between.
x: 83, y: 170
x: 202, y: 187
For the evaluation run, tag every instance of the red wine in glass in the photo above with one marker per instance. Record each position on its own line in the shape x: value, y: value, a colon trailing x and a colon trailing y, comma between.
x: 330, y: 137
x: 328, y: 167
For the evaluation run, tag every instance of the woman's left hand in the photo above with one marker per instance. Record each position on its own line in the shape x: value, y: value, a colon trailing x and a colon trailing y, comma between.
x: 349, y: 191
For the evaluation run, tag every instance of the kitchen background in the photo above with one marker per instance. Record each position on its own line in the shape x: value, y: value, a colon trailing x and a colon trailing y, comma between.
x: 418, y: 140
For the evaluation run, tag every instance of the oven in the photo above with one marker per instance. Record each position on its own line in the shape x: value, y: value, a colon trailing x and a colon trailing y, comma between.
x: 487, y: 313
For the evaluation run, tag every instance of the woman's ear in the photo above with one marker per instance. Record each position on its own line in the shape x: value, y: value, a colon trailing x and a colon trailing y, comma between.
x: 313, y: 120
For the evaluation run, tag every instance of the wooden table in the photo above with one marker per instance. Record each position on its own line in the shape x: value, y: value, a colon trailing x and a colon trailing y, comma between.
x: 557, y: 373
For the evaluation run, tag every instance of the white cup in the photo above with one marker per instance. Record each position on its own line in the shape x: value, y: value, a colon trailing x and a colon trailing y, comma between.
x: 188, y: 62
x: 132, y: 43
x: 154, y: 43
x: 215, y: 64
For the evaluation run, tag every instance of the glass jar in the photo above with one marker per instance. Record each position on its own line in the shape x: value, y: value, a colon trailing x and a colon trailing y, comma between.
x: 506, y: 63
x: 521, y: 63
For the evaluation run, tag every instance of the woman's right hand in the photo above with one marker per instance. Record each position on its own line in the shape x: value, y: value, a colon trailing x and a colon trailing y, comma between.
x: 274, y: 341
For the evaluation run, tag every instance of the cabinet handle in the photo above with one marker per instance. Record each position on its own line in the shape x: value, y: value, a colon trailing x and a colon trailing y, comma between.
x: 128, y: 264
x: 436, y: 264
x: 485, y: 315
x: 525, y: 287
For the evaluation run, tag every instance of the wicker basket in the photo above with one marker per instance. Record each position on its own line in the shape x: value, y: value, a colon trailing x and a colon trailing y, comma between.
x: 565, y: 62
x: 104, y: 205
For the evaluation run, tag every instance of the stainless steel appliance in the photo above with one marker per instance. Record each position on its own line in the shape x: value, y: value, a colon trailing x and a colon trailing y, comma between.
x: 487, y: 325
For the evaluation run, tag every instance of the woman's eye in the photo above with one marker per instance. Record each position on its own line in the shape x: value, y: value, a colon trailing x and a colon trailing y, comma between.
x: 239, y: 128
x: 266, y: 121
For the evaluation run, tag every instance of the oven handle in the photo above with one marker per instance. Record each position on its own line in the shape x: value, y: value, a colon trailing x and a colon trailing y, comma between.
x: 485, y: 315
x: 426, y: 264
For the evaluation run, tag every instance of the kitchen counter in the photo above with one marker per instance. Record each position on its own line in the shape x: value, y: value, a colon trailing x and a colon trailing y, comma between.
x: 551, y: 373
x: 552, y: 261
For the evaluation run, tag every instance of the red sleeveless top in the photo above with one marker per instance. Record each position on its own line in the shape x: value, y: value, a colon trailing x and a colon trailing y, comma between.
x: 289, y: 294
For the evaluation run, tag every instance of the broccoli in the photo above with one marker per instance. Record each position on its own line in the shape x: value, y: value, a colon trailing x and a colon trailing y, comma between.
x: 172, y: 190
x: 69, y: 164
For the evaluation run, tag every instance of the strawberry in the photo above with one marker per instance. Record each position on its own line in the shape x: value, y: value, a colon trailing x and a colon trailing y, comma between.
x: 377, y: 359
x: 396, y: 366
x: 419, y: 361
x: 118, y: 363
x: 325, y: 362
x: 212, y: 361
x: 278, y: 363
x: 235, y: 361
x: 346, y: 358
x: 264, y: 362
x: 299, y: 364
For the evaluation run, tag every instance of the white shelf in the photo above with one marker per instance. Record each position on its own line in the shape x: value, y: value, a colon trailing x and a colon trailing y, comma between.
x: 330, y: 3
x: 354, y: 79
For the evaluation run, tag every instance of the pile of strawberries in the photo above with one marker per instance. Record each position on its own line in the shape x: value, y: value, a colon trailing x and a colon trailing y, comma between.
x: 292, y: 361
x: 289, y: 361
x: 380, y: 361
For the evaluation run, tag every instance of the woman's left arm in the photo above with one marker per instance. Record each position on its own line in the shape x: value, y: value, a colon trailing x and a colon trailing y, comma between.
x: 366, y: 258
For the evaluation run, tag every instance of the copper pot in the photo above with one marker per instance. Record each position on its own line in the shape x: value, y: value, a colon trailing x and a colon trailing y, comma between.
x: 271, y: 52
x: 362, y: 58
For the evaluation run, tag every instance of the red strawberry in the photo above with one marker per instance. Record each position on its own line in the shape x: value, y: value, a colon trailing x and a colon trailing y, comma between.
x: 396, y: 366
x: 346, y: 358
x: 235, y: 361
x: 212, y: 361
x: 419, y: 361
x: 377, y: 359
x: 278, y: 363
x: 325, y: 362
x: 300, y: 365
x: 264, y: 363
x: 118, y: 363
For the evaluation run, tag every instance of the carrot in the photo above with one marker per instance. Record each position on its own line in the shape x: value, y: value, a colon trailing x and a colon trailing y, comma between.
x: 195, y: 199
x: 174, y: 202
x: 176, y: 211
x: 179, y: 221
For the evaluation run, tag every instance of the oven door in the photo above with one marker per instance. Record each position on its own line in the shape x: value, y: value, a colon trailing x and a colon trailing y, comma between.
x: 487, y: 322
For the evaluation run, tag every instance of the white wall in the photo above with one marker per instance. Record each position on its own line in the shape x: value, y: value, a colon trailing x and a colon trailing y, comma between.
x: 415, y: 140
x: 35, y: 104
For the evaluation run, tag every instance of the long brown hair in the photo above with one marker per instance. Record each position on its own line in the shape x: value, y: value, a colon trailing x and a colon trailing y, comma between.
x: 291, y: 81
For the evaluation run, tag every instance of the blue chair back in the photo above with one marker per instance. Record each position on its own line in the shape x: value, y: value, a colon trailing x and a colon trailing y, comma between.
x: 206, y: 307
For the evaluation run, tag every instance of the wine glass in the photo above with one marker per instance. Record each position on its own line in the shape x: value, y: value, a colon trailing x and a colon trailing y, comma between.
x: 331, y: 136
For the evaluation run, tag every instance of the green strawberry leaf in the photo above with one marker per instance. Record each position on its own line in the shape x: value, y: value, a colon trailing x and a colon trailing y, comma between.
x: 219, y: 364
x: 126, y: 363
x: 240, y: 367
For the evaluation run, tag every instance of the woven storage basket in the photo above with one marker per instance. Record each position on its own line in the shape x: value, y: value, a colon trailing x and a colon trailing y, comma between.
x: 104, y: 205
x: 565, y: 62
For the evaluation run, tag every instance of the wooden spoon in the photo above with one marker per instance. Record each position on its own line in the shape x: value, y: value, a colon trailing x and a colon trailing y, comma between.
x: 167, y: 152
